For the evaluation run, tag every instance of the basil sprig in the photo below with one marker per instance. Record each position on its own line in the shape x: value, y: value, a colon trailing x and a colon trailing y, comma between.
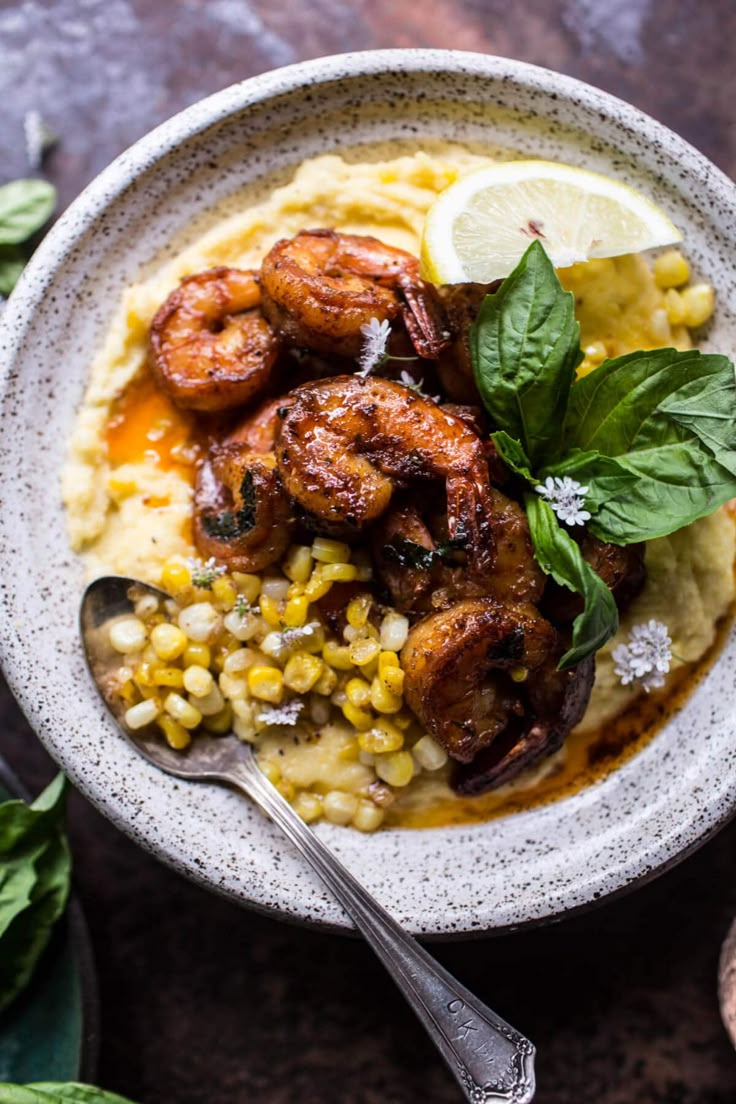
x: 34, y: 883
x: 25, y: 205
x: 651, y: 434
x: 63, y: 1092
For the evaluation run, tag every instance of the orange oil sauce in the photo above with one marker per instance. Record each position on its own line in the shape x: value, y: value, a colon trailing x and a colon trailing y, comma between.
x: 144, y: 424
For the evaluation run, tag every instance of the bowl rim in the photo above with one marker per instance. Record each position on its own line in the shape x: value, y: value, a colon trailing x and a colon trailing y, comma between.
x: 152, y: 149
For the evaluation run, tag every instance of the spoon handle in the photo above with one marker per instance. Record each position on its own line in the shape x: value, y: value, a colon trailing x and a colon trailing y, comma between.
x: 491, y: 1061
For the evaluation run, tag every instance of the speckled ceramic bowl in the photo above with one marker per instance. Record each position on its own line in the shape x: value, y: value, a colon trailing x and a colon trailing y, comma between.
x: 512, y: 871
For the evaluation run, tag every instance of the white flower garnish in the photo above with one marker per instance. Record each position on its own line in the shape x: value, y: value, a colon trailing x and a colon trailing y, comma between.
x: 647, y: 656
x: 287, y: 714
x: 566, y: 497
x: 417, y: 385
x: 204, y: 574
x: 375, y: 338
x: 242, y: 605
x: 291, y: 637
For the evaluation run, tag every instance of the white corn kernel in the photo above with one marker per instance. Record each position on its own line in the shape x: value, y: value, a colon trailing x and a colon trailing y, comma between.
x: 239, y: 660
x: 200, y: 622
x: 243, y: 626
x: 394, y: 631
x: 146, y: 605
x: 340, y: 807
x: 275, y: 588
x: 198, y: 681
x: 142, y: 714
x: 671, y: 269
x: 428, y: 754
x: 210, y: 703
x: 128, y: 635
x: 182, y: 710
x: 367, y: 816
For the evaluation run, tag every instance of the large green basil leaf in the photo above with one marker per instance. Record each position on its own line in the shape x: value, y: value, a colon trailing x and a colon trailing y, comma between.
x: 46, y: 1092
x: 513, y: 455
x: 525, y: 347
x: 35, y: 868
x: 25, y: 205
x: 559, y: 556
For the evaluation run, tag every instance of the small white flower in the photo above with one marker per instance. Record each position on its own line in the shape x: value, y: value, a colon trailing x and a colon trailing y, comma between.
x: 566, y: 497
x: 375, y: 338
x: 204, y: 574
x: 416, y: 385
x: 242, y: 605
x: 290, y: 638
x: 287, y: 714
x: 646, y: 657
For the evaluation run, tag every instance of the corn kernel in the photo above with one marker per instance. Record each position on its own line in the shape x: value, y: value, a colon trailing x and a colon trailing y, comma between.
x: 182, y: 710
x: 317, y: 587
x: 296, y: 590
x: 201, y: 622
x: 698, y: 302
x: 271, y: 770
x: 266, y: 684
x: 128, y: 635
x: 596, y: 352
x: 169, y: 676
x: 197, y: 681
x: 297, y: 564
x: 271, y: 611
x: 349, y: 753
x: 295, y: 612
x: 234, y: 687
x: 239, y: 661
x: 364, y: 651
x: 519, y: 674
x: 210, y: 703
x: 302, y: 672
x: 199, y: 655
x: 176, y: 735
x: 286, y: 789
x: 337, y: 655
x: 358, y: 609
x: 219, y: 723
x: 675, y: 307
x: 308, y: 806
x: 387, y: 659
x: 367, y: 817
x: 339, y: 807
x: 671, y: 269
x: 224, y: 592
x: 403, y: 720
x: 248, y: 585
x: 358, y: 692
x: 396, y: 768
x: 330, y: 551
x: 394, y: 631
x: 142, y: 714
x: 243, y: 626
x: 143, y: 674
x: 428, y: 754
x: 393, y: 680
x: 244, y: 728
x: 358, y: 718
x: 326, y: 682
x: 319, y: 710
x: 659, y: 325
x: 128, y: 692
x: 146, y: 606
x: 382, y: 700
x: 168, y: 641
x: 175, y: 577
x: 339, y: 572
x: 382, y: 738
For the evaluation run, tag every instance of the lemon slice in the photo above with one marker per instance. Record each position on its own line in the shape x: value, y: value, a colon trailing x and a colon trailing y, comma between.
x: 479, y: 228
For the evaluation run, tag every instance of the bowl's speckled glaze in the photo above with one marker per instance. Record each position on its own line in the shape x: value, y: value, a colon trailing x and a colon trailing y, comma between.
x: 513, y: 871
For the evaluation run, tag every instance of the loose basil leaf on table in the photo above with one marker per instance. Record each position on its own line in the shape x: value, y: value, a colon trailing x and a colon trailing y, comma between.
x: 559, y: 556
x: 525, y: 347
x: 25, y: 205
x: 35, y: 867
x: 13, y: 260
x: 47, y: 1092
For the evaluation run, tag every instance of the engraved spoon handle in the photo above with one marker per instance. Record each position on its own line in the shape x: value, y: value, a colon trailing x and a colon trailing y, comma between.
x: 491, y: 1061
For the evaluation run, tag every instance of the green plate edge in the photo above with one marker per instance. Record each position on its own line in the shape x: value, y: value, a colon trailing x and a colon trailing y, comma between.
x: 50, y: 1032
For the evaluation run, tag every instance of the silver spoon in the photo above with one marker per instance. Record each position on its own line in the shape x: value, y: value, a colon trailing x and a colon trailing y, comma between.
x: 491, y: 1061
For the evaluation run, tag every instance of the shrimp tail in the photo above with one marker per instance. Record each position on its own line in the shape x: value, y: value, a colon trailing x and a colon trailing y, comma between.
x: 469, y: 518
x: 424, y: 316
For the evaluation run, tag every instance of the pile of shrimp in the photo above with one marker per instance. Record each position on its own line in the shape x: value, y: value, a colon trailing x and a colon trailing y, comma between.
x: 304, y: 442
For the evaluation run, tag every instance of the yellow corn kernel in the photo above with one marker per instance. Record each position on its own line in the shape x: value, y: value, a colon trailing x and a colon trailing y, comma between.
x: 302, y: 672
x: 295, y: 612
x: 519, y: 674
x: 197, y: 681
x: 326, y: 682
x: 169, y: 676
x: 266, y: 684
x: 182, y: 710
x: 671, y: 269
x: 168, y: 641
x: 367, y: 817
x: 219, y: 723
x: 358, y: 692
x: 286, y: 789
x: 224, y: 592
x: 248, y: 585
x: 148, y: 691
x: 197, y: 655
x: 381, y: 738
x: 698, y: 302
x: 175, y: 577
x: 142, y: 714
x: 393, y: 680
x: 358, y: 609
x: 396, y: 768
x: 675, y: 307
x: 339, y: 572
x: 317, y: 586
x: 270, y: 611
x: 349, y: 753
x: 330, y: 551
x: 337, y: 655
x: 128, y: 692
x: 382, y: 700
x: 143, y: 675
x: 176, y: 735
x: 308, y: 806
x: 387, y: 659
x: 297, y: 565
x: 271, y: 770
x: 358, y: 718
x: 296, y: 590
x: 364, y: 651
x: 403, y: 720
x: 596, y: 352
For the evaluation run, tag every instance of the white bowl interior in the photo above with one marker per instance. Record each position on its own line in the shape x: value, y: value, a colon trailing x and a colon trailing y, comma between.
x: 511, y: 871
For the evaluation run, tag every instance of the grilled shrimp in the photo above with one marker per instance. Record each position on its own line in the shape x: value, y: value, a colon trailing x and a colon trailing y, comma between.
x: 455, y: 369
x: 347, y: 443
x: 210, y: 346
x: 622, y: 569
x: 320, y: 287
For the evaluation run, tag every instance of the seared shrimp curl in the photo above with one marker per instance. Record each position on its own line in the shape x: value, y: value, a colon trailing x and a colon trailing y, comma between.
x: 320, y: 287
x: 210, y: 346
x: 347, y: 443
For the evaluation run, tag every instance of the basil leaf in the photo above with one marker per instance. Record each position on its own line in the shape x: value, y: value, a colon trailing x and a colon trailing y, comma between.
x: 559, y: 556
x: 34, y: 883
x: 513, y: 455
x: 45, y: 1092
x: 12, y: 262
x: 525, y: 347
x: 25, y: 205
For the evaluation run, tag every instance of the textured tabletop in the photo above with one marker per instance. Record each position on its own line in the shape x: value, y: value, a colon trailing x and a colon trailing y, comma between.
x: 202, y: 1003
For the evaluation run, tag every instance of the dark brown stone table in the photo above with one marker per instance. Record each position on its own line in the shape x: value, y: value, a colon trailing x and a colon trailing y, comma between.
x: 203, y: 1003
